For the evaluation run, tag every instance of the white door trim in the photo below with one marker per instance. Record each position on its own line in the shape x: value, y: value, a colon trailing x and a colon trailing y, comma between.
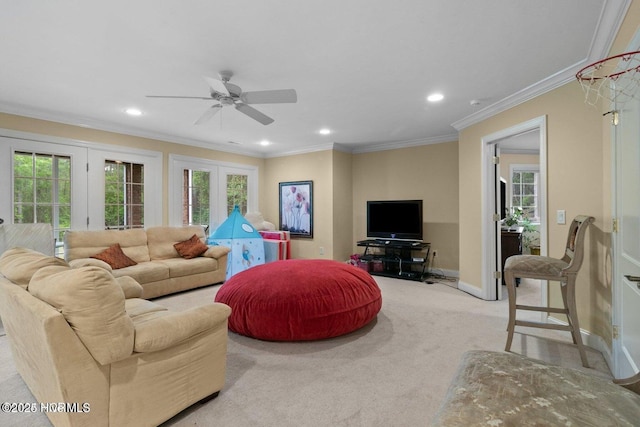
x: 489, y: 291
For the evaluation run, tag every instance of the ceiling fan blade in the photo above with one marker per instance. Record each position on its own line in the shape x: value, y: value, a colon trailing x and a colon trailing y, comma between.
x: 254, y: 114
x: 217, y: 85
x: 207, y: 115
x: 269, y: 96
x: 179, y: 97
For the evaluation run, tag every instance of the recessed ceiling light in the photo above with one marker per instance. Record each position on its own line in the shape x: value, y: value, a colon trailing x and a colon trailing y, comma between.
x: 435, y: 97
x: 324, y: 131
x: 264, y: 143
x: 133, y: 112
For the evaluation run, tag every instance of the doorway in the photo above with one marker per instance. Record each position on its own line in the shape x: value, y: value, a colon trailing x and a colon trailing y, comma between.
x: 510, y: 140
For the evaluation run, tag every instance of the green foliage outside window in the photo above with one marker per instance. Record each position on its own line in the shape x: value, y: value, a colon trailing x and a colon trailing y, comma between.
x: 237, y: 193
x: 123, y: 195
x: 200, y: 191
x: 42, y: 190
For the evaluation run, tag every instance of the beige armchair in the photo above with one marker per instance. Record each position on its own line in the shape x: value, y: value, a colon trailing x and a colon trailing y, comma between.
x: 76, y: 339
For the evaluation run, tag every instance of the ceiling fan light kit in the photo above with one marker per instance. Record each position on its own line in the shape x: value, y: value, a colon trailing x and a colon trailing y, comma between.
x: 227, y: 94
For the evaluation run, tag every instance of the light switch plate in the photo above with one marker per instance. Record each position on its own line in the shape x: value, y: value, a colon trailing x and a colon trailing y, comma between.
x: 560, y: 217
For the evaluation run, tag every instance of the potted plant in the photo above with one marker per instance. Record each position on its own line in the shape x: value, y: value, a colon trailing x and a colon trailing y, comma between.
x: 530, y: 235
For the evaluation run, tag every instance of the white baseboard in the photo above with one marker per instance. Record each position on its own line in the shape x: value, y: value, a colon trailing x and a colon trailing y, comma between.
x: 443, y: 272
x: 592, y: 340
x: 470, y: 289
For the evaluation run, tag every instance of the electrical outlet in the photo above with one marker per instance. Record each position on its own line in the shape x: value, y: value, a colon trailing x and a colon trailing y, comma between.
x: 321, y: 250
x: 435, y: 253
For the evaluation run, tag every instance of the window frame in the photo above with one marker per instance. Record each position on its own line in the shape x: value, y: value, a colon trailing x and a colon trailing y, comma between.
x: 524, y: 168
x: 87, y: 160
x: 152, y: 161
x: 218, y: 198
x: 12, y: 142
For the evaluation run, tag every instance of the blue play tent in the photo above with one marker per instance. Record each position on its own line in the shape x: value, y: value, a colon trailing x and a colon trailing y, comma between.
x: 247, y: 247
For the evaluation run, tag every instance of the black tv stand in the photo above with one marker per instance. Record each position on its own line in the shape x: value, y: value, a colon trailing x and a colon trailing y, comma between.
x: 402, y: 259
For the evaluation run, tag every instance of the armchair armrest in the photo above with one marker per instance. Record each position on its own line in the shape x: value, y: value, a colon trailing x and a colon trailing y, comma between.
x: 175, y: 327
x: 89, y: 262
x: 216, y: 251
x: 130, y: 287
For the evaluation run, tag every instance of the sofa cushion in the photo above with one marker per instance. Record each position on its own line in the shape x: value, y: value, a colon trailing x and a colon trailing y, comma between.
x: 162, y: 239
x: 114, y: 256
x: 167, y: 328
x: 145, y: 272
x: 20, y: 264
x: 83, y: 244
x: 93, y: 304
x: 179, y: 267
x: 138, y: 309
x: 191, y: 248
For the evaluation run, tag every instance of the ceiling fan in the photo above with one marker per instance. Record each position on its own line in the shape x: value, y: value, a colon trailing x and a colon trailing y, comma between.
x: 229, y: 94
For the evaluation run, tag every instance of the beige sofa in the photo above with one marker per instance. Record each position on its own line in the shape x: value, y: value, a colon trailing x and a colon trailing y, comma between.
x: 113, y: 361
x: 160, y: 269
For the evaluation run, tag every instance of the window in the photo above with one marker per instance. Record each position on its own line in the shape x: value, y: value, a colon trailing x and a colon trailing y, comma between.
x: 204, y: 192
x: 524, y: 190
x: 42, y: 190
x: 123, y: 195
x: 196, y: 189
x: 237, y: 193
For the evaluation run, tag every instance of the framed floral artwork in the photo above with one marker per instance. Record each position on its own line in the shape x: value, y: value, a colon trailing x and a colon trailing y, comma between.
x: 296, y: 208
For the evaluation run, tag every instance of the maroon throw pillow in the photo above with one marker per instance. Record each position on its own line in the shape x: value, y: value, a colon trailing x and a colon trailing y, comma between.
x: 191, y: 248
x: 114, y: 256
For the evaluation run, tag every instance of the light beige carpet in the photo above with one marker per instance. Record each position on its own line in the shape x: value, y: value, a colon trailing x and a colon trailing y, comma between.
x: 393, y: 372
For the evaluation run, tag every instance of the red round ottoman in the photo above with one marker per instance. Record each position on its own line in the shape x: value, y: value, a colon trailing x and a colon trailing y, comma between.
x: 298, y: 300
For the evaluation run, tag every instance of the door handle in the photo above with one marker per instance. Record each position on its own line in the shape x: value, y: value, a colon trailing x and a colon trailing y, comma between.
x: 633, y: 279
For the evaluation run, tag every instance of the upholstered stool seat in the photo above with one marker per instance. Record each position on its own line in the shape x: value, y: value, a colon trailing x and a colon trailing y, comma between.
x: 297, y: 300
x: 536, y: 265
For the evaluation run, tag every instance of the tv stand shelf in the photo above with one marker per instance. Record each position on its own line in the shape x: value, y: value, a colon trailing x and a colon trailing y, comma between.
x: 396, y: 258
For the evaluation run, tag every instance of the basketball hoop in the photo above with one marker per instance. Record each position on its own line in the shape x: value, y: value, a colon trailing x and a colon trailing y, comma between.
x: 616, y: 79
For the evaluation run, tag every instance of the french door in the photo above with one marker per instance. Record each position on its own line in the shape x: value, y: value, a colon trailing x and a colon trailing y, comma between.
x: 46, y: 183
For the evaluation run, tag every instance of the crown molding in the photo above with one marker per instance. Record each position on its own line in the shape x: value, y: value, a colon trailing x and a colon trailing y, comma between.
x: 98, y: 125
x: 611, y: 17
x: 394, y: 145
x: 305, y: 150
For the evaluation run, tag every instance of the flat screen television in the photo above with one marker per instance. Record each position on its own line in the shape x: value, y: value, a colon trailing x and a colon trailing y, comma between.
x: 394, y: 219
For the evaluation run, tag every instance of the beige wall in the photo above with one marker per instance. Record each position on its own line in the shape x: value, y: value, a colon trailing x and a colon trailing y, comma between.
x: 428, y: 172
x: 574, y: 178
x: 316, y: 167
x: 342, y: 205
x: 574, y: 181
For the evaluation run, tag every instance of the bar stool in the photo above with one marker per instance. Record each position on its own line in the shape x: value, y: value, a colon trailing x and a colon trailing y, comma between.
x: 562, y: 270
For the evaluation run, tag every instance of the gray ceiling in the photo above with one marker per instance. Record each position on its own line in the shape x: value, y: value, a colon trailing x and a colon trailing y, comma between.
x: 362, y: 68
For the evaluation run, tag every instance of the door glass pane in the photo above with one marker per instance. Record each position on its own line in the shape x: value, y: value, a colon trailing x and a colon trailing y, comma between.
x: 196, y: 197
x: 237, y: 193
x: 124, y: 195
x: 42, y: 190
